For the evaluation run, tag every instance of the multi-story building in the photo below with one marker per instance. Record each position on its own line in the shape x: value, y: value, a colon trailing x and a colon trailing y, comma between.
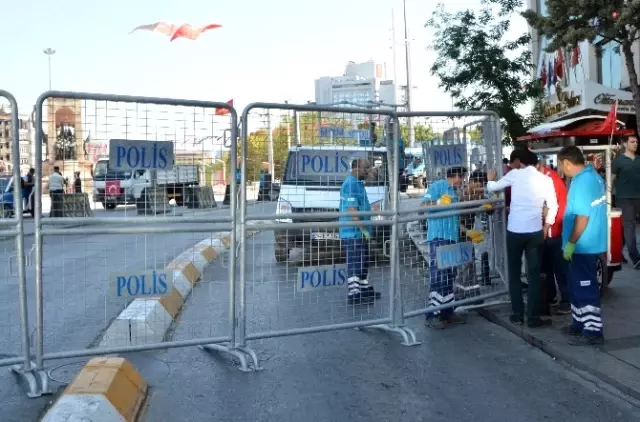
x: 361, y: 84
x: 586, y: 80
x: 25, y: 139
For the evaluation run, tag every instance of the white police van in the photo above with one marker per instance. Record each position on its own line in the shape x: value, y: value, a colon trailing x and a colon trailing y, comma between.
x: 311, y: 183
x: 121, y: 187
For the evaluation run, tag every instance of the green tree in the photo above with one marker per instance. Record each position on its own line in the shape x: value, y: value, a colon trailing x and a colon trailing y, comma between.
x: 480, y: 67
x: 601, y: 21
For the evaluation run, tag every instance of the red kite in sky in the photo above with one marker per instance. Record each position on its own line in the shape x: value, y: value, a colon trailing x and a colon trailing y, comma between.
x: 182, y: 31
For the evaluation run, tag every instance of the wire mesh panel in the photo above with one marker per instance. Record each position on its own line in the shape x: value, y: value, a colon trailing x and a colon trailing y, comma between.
x: 453, y: 245
x: 15, y: 344
x: 312, y: 265
x: 118, y: 277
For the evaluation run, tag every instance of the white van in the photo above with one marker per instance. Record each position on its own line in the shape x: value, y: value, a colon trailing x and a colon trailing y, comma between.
x: 311, y: 183
x: 118, y: 187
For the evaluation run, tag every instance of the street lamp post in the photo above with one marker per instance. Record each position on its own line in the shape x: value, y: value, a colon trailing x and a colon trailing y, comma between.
x: 49, y: 52
x: 408, y: 63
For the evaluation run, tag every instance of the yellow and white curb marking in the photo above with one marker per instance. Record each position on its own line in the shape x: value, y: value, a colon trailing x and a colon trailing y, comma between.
x: 107, y: 389
x: 146, y: 321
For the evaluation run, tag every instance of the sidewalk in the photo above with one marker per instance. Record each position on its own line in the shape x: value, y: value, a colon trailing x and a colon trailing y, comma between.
x: 617, y: 362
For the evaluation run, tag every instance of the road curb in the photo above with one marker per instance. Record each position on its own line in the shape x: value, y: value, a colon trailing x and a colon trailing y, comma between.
x: 107, y: 389
x: 147, y: 321
x: 552, y: 350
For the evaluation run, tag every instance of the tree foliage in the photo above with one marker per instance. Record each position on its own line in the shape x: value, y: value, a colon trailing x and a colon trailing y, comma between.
x: 480, y: 67
x: 569, y: 22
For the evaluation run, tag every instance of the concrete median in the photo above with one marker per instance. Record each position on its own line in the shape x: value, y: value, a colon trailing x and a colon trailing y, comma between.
x: 107, y: 389
x: 146, y: 321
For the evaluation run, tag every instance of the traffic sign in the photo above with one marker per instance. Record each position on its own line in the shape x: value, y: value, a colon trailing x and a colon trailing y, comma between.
x: 140, y: 284
x: 127, y: 154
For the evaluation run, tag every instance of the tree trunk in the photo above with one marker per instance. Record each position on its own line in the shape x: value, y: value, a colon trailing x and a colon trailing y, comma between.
x: 633, y: 79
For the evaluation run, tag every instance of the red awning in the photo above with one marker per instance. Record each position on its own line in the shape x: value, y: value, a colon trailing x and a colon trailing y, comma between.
x: 579, y: 133
x: 581, y: 127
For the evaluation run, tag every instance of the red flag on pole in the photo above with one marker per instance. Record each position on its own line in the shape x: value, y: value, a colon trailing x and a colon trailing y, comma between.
x: 575, y: 56
x: 559, y: 70
x: 610, y: 124
x: 224, y: 111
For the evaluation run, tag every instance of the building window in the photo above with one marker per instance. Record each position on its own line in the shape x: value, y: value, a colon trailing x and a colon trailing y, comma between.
x: 542, y: 7
x: 609, y: 65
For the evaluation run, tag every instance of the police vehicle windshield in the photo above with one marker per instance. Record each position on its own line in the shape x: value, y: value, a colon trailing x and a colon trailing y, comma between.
x: 103, y: 172
x: 331, y: 167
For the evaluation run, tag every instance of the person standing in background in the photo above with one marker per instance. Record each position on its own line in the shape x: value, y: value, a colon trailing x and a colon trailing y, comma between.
x: 584, y: 238
x: 625, y: 170
x: 77, y: 183
x: 513, y: 163
x: 28, y: 183
x: 531, y: 190
x: 56, y: 186
x: 554, y: 266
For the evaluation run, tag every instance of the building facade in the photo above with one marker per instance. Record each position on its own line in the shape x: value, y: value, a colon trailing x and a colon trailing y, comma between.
x: 586, y: 80
x: 7, y: 150
x: 361, y: 84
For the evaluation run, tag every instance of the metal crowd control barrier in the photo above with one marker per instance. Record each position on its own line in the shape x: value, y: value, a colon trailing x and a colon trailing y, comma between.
x: 15, y: 346
x: 76, y: 281
x: 459, y: 262
x: 281, y: 295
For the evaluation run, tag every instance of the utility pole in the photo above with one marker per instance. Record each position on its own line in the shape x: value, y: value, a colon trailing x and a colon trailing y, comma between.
x: 395, y: 58
x: 270, y: 137
x: 49, y: 52
x: 408, y: 63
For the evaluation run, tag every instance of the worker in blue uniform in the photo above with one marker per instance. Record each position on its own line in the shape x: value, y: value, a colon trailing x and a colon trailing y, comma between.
x: 443, y: 231
x: 584, y: 239
x: 355, y: 239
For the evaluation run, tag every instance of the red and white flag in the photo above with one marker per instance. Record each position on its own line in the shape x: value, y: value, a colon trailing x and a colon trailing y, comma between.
x: 112, y: 188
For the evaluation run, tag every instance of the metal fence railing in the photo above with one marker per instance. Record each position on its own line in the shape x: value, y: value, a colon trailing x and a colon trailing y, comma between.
x: 315, y: 237
x: 322, y: 264
x: 15, y: 344
x: 115, y: 280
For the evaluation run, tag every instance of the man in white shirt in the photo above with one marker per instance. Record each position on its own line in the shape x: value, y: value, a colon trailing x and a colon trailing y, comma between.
x: 530, y: 192
x: 56, y: 191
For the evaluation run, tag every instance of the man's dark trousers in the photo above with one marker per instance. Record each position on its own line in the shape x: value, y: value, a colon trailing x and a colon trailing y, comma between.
x: 555, y: 267
x: 630, y: 209
x: 56, y: 203
x: 530, y: 244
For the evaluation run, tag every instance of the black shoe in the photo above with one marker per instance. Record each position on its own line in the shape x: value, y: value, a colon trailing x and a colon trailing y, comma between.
x: 453, y: 319
x: 360, y: 298
x: 546, y: 312
x: 624, y: 260
x: 583, y: 340
x: 539, y: 323
x: 636, y: 265
x: 571, y: 331
x: 370, y: 292
x: 515, y: 319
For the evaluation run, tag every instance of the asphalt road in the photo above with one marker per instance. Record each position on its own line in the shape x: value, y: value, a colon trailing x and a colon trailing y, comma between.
x: 475, y: 372
x: 78, y: 301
